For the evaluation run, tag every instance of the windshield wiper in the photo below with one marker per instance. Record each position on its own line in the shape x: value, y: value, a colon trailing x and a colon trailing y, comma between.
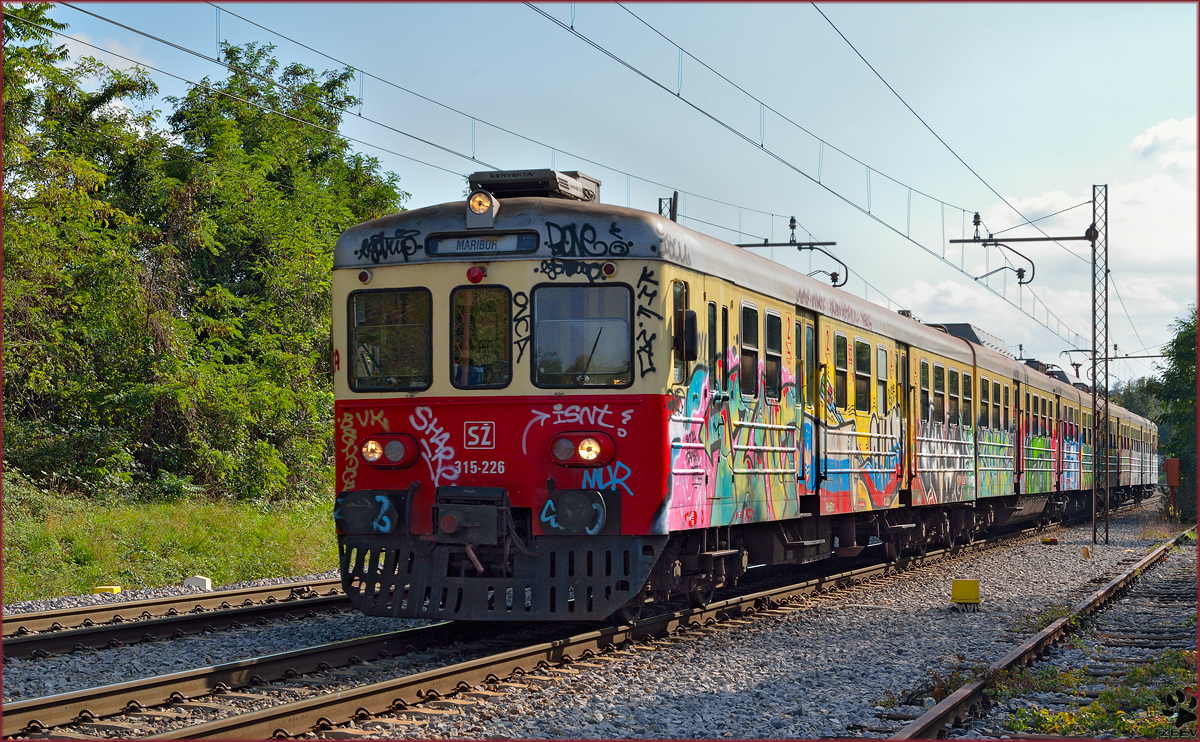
x: 583, y: 377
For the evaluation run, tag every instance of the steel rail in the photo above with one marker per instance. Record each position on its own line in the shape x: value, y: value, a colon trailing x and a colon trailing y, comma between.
x: 954, y: 707
x: 24, y: 646
x: 64, y: 708
x: 307, y: 715
x: 66, y: 618
x: 46, y: 712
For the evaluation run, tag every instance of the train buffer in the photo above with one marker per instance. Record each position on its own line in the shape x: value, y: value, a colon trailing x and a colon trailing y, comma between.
x: 964, y: 595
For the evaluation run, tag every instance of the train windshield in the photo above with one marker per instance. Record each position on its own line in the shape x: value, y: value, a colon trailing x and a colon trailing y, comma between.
x: 582, y: 337
x: 481, y: 344
x: 390, y: 338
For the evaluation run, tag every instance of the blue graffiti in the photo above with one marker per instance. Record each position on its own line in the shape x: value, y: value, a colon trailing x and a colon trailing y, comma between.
x: 548, y: 514
x: 616, y: 475
x: 382, y: 523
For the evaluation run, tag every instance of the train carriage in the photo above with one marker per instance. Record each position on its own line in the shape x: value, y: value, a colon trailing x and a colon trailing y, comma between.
x: 547, y: 407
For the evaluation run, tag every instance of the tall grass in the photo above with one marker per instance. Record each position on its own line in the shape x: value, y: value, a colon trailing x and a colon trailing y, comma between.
x: 56, y: 545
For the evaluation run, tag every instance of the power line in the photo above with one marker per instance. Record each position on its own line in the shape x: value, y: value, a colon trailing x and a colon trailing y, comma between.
x: 495, y: 126
x: 968, y: 167
x: 539, y: 143
x: 211, y: 89
x: 292, y: 118
x: 272, y: 111
x: 1077, y: 339
x: 934, y: 133
x: 1022, y: 224
x: 770, y: 108
x: 1122, y: 301
x: 269, y: 81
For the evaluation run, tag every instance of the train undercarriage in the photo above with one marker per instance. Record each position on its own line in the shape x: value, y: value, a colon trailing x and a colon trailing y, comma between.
x: 695, y: 563
x: 483, y: 563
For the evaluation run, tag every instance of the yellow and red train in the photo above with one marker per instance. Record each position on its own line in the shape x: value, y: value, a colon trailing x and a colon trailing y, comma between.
x: 552, y: 408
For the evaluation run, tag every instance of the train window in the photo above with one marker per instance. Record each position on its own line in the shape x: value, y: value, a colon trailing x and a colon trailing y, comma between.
x: 902, y: 378
x: 581, y: 336
x: 968, y: 409
x: 996, y: 406
x: 481, y: 341
x: 810, y: 360
x: 748, y: 377
x: 939, y: 393
x: 713, y: 378
x: 862, y: 376
x: 1004, y: 408
x: 773, y: 356
x: 839, y: 366
x: 1045, y: 419
x: 679, y: 303
x: 881, y: 375
x: 952, y: 384
x: 391, y: 340
x: 924, y: 391
x: 984, y: 401
x: 724, y: 349
x: 1028, y: 430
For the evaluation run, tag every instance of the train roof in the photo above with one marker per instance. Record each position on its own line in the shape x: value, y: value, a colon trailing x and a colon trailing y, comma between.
x: 578, y: 230
x: 587, y: 231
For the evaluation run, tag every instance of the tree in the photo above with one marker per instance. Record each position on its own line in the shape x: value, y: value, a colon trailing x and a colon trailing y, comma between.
x: 1137, y: 396
x: 1176, y: 391
x: 167, y: 291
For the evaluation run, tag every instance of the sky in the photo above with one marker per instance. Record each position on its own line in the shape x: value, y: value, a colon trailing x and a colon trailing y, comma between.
x: 1037, y: 103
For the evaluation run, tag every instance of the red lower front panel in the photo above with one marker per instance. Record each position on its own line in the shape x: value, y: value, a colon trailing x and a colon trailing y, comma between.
x: 505, y: 442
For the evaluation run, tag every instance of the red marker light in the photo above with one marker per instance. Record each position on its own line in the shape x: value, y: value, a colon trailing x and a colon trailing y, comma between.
x: 364, y: 276
x: 475, y: 274
x: 609, y: 269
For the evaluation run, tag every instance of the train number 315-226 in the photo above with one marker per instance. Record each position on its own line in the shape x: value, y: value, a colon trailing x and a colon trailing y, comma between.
x: 480, y: 467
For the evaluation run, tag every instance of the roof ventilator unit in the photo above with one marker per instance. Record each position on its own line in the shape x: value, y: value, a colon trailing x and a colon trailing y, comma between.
x: 572, y: 184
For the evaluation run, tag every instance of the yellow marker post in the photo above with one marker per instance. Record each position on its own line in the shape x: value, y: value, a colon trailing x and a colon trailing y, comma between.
x: 97, y: 590
x: 964, y: 594
x: 1087, y: 553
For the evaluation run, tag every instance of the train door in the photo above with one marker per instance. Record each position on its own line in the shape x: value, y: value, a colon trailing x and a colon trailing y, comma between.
x: 718, y: 310
x: 687, y: 403
x: 904, y: 399
x: 1021, y: 429
x: 806, y: 407
x: 1059, y: 442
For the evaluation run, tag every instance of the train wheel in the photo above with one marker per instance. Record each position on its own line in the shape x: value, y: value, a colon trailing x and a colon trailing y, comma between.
x: 700, y: 597
x: 891, y: 549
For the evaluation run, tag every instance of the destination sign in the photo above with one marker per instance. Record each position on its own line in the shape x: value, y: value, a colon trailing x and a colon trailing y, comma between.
x: 476, y: 244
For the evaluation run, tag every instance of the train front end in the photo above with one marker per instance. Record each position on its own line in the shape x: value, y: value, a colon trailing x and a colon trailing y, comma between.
x: 500, y: 422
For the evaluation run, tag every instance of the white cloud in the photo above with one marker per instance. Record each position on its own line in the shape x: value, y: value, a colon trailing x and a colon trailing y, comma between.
x: 1172, y: 142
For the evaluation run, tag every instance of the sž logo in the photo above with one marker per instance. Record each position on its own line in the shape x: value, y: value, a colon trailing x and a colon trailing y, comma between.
x: 479, y: 435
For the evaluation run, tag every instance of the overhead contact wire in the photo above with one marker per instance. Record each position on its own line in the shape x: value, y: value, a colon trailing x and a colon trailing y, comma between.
x: 792, y: 167
x: 231, y: 96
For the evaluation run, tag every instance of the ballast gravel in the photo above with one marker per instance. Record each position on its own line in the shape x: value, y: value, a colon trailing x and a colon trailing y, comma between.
x: 64, y: 673
x: 828, y: 670
x: 824, y: 671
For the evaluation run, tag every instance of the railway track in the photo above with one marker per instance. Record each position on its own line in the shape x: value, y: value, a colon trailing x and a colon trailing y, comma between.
x: 42, y: 633
x: 1150, y: 626
x: 272, y: 695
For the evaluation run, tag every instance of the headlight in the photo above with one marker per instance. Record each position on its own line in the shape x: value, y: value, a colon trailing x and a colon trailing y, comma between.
x: 589, y: 449
x: 394, y: 451
x: 372, y: 450
x: 563, y: 449
x: 480, y: 202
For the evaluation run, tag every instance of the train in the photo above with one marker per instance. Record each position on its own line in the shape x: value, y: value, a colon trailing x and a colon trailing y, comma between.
x: 550, y: 408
